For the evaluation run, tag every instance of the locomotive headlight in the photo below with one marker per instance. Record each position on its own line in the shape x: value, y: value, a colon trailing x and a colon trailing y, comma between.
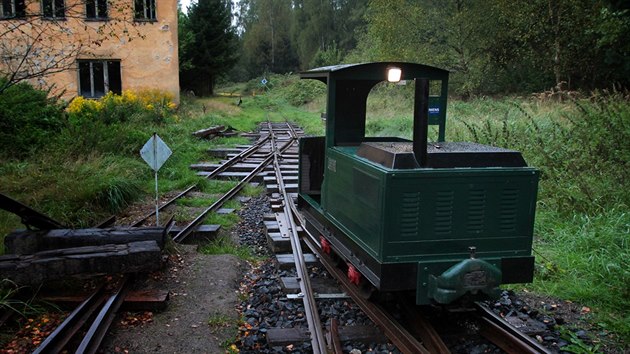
x: 393, y: 74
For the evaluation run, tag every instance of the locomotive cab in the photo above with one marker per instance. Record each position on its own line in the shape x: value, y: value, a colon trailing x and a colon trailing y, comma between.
x: 441, y: 218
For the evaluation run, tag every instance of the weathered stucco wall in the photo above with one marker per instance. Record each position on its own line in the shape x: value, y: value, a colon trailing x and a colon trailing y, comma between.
x: 147, y: 50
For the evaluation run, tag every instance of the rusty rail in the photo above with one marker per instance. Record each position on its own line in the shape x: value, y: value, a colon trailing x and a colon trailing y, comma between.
x: 318, y: 340
x: 401, y: 338
x: 506, y: 336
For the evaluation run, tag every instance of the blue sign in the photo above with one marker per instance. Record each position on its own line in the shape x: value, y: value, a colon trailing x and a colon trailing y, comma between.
x: 264, y: 81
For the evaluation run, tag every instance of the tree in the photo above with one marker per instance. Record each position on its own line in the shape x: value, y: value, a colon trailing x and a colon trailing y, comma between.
x: 37, y: 41
x: 267, y: 45
x: 212, y: 51
x: 505, y: 46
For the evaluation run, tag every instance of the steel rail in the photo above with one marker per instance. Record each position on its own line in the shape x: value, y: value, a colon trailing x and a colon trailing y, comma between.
x: 318, y: 341
x: 100, y: 326
x: 423, y: 329
x: 233, y: 160
x: 334, y: 337
x: 401, y: 338
x: 187, y: 230
x: 58, y: 339
x: 506, y: 336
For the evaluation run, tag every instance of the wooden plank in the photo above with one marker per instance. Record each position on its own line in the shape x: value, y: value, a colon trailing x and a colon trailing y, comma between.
x: 135, y: 300
x: 290, y: 188
x: 286, y: 179
x: 143, y: 256
x: 286, y: 261
x: 29, y: 242
x: 224, y: 152
x: 277, y: 243
x: 239, y: 167
x: 201, y: 233
x: 366, y: 334
x: 320, y: 285
x: 204, y: 133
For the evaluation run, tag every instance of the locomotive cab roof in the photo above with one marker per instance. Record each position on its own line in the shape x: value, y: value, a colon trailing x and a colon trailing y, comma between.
x: 348, y: 86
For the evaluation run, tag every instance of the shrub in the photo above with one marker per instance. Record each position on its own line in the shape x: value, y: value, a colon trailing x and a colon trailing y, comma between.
x: 28, y: 119
x: 150, y: 105
x: 303, y: 91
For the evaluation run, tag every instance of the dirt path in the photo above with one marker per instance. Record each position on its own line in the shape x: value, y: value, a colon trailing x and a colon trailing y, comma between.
x: 202, y: 289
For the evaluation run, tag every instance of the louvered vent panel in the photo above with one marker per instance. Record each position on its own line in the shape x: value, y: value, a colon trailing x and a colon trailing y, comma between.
x: 444, y: 213
x: 507, y: 213
x: 410, y: 215
x: 476, y: 211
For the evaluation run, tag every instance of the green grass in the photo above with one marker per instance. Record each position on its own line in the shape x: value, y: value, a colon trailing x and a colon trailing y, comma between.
x: 224, y: 245
x: 196, y: 202
x: 586, y: 258
x: 226, y: 221
x: 251, y: 191
x: 219, y: 320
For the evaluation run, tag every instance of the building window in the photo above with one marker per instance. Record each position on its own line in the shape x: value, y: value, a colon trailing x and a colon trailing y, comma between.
x: 12, y: 9
x: 145, y: 10
x: 53, y: 9
x: 97, y: 77
x: 96, y: 9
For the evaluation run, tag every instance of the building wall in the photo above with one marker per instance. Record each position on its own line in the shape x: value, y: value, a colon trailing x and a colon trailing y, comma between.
x: 147, y: 50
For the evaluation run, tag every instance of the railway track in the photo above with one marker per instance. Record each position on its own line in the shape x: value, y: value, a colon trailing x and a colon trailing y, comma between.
x: 417, y: 336
x: 92, y: 318
x: 273, y: 159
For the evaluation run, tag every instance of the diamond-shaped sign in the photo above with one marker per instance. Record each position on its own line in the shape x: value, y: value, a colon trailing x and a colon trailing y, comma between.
x: 155, y: 152
x: 264, y: 81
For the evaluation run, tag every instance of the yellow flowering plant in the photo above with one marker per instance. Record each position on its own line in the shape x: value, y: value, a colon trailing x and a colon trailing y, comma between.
x: 151, y: 104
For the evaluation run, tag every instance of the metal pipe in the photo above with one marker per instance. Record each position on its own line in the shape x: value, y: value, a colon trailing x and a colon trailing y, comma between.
x: 421, y: 121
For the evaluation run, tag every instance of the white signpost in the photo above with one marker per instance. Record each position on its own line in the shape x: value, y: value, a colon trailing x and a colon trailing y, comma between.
x: 155, y: 152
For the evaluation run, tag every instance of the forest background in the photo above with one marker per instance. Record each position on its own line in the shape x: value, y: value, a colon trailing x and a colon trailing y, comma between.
x: 492, y: 47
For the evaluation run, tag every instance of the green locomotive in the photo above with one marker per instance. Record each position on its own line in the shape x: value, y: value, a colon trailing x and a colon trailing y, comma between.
x: 445, y: 219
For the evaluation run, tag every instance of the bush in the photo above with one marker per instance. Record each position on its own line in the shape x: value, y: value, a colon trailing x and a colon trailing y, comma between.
x: 152, y: 106
x: 303, y: 91
x: 28, y: 119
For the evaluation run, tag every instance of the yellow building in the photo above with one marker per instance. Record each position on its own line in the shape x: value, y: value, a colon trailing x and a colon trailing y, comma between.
x: 90, y: 47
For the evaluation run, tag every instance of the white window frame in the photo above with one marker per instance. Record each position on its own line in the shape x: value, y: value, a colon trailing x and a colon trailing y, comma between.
x: 147, y: 5
x: 96, y: 4
x: 13, y: 12
x: 106, y: 76
x: 54, y: 10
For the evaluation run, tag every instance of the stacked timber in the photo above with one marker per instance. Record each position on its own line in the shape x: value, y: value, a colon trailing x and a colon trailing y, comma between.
x: 213, y: 132
x: 38, y: 256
